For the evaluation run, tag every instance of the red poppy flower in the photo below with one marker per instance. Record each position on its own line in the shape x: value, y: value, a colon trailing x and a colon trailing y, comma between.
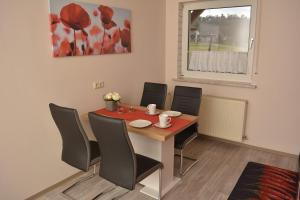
x: 95, y: 30
x: 54, y: 20
x: 125, y: 39
x: 55, y: 39
x: 95, y: 13
x: 75, y: 17
x: 127, y: 23
x: 106, y: 17
x: 65, y: 48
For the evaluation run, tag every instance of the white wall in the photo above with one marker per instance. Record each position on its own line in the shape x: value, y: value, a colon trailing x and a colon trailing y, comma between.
x: 30, y: 145
x: 274, y: 111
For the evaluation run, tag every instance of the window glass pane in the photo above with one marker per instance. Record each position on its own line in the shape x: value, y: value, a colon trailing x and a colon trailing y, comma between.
x: 219, y: 40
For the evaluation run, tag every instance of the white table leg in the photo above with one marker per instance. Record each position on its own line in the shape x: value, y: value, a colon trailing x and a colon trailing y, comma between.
x: 161, y: 151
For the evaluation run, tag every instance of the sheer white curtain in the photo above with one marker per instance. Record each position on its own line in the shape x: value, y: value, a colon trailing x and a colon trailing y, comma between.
x: 219, y: 61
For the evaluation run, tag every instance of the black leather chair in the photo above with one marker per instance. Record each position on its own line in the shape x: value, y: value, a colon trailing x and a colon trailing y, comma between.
x: 154, y: 93
x: 119, y: 163
x: 186, y: 100
x: 77, y: 150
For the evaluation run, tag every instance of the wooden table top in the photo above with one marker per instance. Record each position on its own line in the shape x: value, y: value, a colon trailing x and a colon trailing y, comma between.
x: 158, y: 133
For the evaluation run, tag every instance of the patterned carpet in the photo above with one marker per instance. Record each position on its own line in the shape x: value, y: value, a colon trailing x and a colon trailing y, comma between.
x: 263, y: 182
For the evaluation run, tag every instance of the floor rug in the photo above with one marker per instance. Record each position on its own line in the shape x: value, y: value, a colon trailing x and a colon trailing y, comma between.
x: 263, y: 182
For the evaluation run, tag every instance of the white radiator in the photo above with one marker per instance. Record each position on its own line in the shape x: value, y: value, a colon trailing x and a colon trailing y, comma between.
x: 223, y: 117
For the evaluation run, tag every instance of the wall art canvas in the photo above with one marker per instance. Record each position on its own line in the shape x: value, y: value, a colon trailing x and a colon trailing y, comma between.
x: 79, y: 29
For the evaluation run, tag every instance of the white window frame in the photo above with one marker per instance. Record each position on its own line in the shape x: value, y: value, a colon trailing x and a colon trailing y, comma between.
x: 242, y: 78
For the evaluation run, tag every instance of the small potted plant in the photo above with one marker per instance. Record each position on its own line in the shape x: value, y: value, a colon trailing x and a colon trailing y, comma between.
x: 111, y: 101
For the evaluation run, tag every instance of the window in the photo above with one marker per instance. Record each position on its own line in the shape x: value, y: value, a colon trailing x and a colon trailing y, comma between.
x: 218, y: 39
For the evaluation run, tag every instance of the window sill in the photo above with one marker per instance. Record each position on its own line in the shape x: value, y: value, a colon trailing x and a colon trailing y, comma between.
x: 216, y: 82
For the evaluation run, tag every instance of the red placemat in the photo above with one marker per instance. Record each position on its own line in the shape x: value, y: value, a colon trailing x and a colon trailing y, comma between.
x: 177, y: 123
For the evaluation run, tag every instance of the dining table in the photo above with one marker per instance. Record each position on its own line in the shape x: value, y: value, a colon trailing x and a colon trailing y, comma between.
x: 154, y: 142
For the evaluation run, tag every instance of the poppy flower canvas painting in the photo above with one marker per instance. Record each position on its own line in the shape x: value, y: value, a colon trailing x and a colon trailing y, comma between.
x: 79, y: 29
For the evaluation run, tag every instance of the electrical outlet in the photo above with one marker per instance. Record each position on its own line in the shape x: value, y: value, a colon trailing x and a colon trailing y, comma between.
x: 101, y: 84
x: 98, y: 84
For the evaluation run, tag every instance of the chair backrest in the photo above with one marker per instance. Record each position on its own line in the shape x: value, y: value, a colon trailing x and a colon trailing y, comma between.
x: 154, y: 93
x: 118, y: 160
x: 76, y: 147
x: 187, y: 100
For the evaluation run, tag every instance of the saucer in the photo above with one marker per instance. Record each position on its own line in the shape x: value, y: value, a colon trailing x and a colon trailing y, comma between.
x: 156, y: 113
x: 172, y: 113
x: 140, y: 123
x: 158, y: 125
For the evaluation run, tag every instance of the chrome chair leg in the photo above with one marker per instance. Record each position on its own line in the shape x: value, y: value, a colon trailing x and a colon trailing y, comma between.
x: 181, y: 162
x: 109, y: 190
x: 104, y: 192
x: 83, y: 179
x: 181, y: 171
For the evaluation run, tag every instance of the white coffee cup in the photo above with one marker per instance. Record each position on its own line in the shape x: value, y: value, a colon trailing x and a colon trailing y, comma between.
x: 151, y: 109
x: 164, y: 120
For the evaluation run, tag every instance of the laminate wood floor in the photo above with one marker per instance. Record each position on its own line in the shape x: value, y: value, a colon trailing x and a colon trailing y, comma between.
x: 213, y: 178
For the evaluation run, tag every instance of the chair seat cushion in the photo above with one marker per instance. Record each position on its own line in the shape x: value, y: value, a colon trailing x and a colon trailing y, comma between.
x: 183, y: 137
x: 146, y: 166
x: 95, y: 152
